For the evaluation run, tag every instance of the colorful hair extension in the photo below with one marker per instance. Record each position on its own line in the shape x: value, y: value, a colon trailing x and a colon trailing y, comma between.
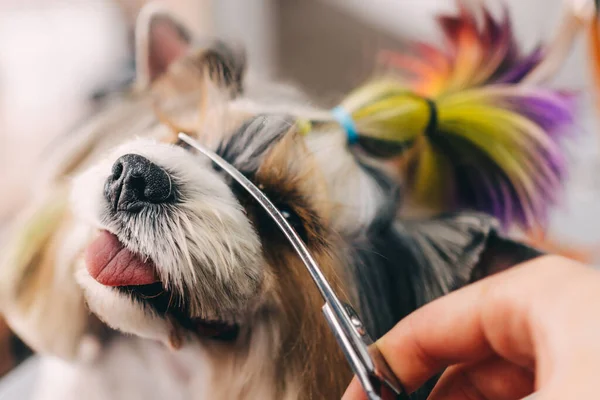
x: 478, y: 139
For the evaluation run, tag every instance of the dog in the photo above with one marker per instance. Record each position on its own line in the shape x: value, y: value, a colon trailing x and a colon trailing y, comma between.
x: 144, y: 272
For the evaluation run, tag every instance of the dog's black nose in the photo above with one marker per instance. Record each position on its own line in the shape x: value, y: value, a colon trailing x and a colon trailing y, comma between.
x: 136, y: 182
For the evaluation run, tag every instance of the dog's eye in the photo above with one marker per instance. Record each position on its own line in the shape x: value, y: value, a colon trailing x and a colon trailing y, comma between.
x: 293, y: 219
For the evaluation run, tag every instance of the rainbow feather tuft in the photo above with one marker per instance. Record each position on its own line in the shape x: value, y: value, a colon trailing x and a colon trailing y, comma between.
x: 478, y: 139
x: 475, y: 55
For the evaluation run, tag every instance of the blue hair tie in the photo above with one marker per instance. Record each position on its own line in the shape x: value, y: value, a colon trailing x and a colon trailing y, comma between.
x: 346, y: 122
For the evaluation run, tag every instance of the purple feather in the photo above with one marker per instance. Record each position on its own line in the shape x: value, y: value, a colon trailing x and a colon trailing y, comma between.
x: 521, y: 68
x: 551, y: 111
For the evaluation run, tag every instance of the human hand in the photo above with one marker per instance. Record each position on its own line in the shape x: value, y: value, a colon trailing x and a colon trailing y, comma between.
x: 532, y: 328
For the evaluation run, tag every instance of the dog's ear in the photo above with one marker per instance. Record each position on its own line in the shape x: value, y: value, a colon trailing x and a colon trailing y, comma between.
x: 460, y: 248
x: 164, y: 43
x: 161, y: 39
x: 39, y: 296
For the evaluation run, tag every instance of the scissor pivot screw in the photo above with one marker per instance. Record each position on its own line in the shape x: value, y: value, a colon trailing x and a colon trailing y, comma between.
x: 358, y: 325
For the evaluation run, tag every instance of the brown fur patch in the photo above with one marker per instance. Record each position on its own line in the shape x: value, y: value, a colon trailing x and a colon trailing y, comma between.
x: 290, y: 168
x: 309, y: 349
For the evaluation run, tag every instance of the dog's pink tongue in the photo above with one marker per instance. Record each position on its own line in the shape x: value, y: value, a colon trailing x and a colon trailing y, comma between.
x: 111, y: 264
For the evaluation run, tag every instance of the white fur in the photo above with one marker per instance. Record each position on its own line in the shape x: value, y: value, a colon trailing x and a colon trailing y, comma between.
x: 356, y: 196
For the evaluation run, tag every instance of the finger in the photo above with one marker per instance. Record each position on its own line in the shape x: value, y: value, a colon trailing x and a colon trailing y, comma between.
x: 355, y: 391
x: 442, y: 333
x: 492, y: 379
x: 469, y: 325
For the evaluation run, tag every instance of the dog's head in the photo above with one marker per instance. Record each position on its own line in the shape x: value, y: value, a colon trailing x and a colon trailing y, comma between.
x: 180, y: 244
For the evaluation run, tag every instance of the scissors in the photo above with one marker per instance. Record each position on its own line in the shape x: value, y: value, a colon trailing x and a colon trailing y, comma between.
x: 365, y: 359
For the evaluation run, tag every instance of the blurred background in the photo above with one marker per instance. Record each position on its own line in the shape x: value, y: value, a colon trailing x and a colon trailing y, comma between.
x: 58, y: 58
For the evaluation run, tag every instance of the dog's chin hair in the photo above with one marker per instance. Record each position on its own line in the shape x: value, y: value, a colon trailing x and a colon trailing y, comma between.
x: 119, y: 311
x: 208, y: 251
